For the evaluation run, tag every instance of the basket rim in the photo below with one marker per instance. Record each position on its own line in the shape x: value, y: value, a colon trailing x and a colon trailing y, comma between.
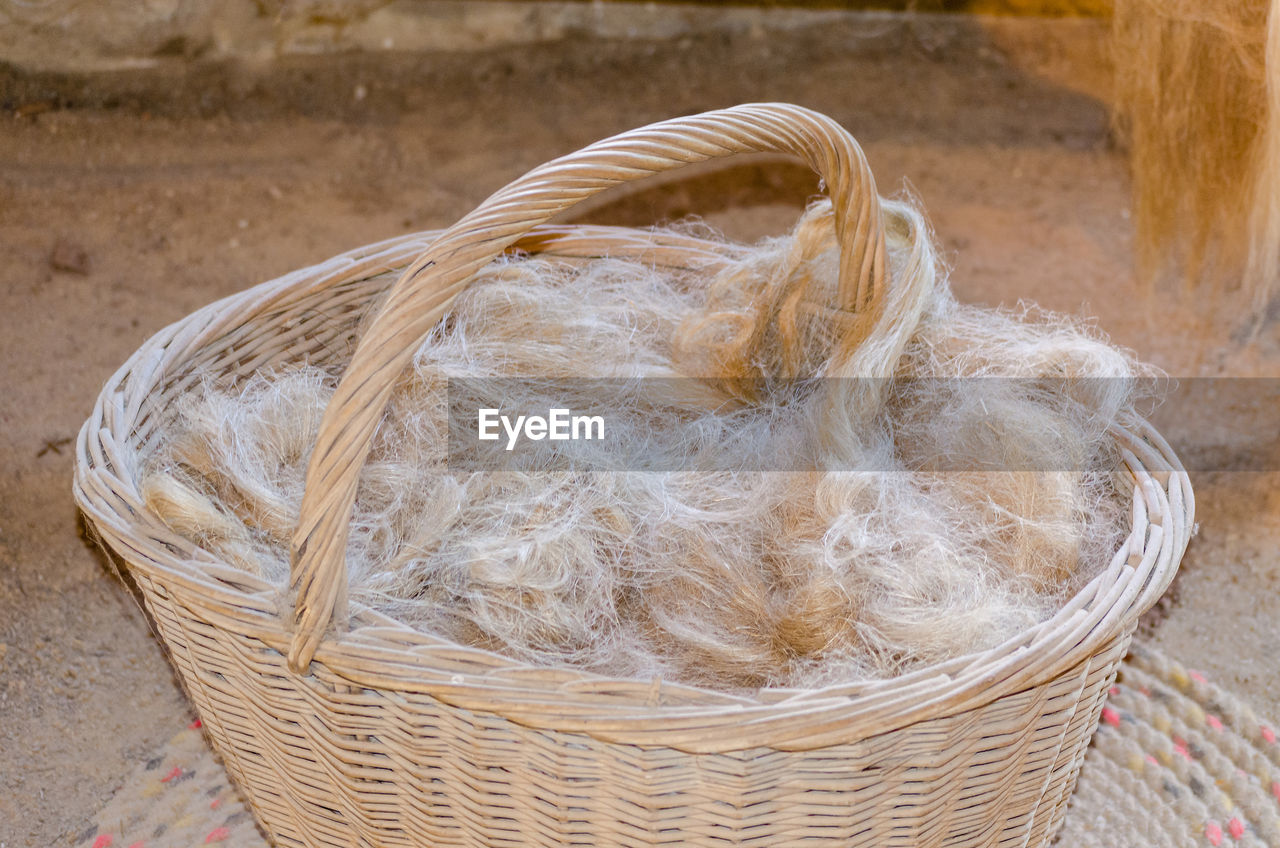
x: 381, y: 653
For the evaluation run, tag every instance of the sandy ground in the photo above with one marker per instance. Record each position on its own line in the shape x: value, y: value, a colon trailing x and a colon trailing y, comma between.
x: 128, y: 201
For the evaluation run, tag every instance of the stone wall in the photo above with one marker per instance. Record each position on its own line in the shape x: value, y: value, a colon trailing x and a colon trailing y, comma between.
x: 73, y: 36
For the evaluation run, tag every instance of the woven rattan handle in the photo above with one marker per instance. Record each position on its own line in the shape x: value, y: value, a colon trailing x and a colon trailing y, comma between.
x: 427, y: 288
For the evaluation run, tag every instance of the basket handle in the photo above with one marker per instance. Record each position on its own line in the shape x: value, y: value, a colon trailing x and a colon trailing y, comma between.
x: 426, y: 289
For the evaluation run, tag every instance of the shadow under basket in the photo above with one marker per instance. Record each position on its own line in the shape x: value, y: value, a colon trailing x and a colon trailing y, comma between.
x: 345, y: 727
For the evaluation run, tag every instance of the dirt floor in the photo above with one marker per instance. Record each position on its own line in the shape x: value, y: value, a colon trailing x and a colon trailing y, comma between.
x: 126, y: 202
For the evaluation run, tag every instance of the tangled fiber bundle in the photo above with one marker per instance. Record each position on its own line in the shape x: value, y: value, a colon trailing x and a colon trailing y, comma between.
x: 1198, y: 99
x: 858, y: 556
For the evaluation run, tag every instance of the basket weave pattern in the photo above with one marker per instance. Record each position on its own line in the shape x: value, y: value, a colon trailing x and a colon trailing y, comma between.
x: 344, y: 727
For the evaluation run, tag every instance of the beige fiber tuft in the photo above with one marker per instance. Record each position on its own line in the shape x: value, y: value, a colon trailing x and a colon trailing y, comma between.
x: 896, y: 537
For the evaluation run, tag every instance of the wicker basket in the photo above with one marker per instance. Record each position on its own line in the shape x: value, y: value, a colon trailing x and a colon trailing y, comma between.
x: 343, y: 727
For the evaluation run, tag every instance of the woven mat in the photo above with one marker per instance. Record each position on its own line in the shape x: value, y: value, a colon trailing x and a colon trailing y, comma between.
x: 1176, y: 762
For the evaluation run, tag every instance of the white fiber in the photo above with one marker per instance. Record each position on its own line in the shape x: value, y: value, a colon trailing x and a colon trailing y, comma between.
x: 804, y: 531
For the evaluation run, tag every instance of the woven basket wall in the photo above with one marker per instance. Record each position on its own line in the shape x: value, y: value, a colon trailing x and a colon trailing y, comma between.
x: 344, y: 727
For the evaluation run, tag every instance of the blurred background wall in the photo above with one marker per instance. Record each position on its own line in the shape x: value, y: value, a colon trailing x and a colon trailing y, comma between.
x: 101, y: 35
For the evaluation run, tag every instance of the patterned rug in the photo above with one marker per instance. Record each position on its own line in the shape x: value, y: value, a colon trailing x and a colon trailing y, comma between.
x: 1176, y: 762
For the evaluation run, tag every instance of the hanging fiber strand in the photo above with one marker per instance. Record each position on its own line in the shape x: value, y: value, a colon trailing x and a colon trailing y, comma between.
x: 1198, y: 103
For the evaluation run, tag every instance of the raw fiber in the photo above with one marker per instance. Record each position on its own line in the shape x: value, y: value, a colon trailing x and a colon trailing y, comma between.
x: 863, y: 561
x: 1198, y: 103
